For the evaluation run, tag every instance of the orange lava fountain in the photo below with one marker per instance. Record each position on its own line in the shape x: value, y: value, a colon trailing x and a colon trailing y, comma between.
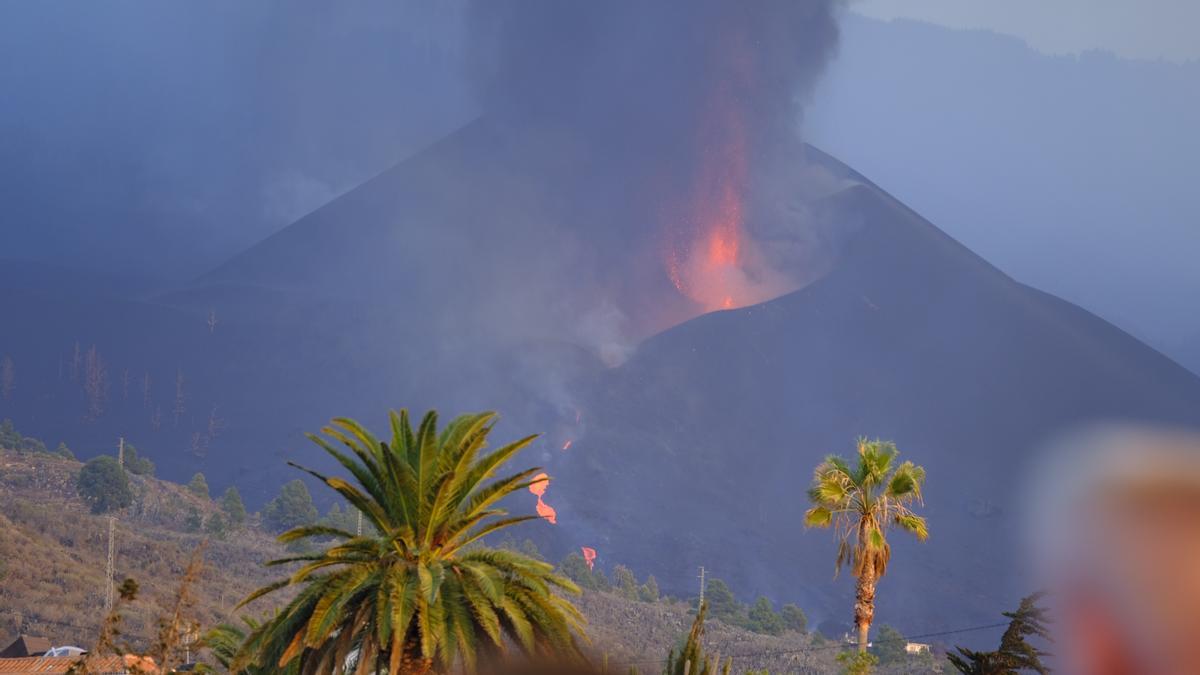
x: 706, y: 254
x: 589, y: 556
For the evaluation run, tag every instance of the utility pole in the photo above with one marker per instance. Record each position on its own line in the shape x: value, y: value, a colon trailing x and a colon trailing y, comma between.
x: 108, y: 574
x: 121, y: 453
x: 701, y: 585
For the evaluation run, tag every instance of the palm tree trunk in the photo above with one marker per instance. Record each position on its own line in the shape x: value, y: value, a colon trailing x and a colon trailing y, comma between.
x: 864, y: 606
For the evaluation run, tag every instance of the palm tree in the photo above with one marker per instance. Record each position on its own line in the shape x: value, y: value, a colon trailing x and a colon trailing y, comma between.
x: 225, y: 641
x: 861, y: 504
x: 418, y: 591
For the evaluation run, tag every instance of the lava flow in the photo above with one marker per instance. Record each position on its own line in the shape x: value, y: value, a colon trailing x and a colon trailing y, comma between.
x: 538, y: 487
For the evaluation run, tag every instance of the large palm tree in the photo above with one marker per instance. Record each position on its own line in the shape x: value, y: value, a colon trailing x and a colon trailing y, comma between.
x: 417, y: 591
x: 861, y: 504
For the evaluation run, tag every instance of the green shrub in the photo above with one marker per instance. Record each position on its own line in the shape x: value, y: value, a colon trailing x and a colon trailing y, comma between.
x: 63, y: 451
x: 762, y: 618
x: 793, y: 618
x: 103, y: 485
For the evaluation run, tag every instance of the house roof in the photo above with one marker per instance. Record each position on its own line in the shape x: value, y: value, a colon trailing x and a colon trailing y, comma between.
x: 38, y: 665
x: 26, y: 645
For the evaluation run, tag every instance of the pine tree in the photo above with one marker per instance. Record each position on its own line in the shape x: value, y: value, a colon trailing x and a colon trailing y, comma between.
x: 794, y: 618
x: 198, y: 485
x: 233, y: 508
x: 292, y: 508
x: 649, y: 590
x: 625, y: 582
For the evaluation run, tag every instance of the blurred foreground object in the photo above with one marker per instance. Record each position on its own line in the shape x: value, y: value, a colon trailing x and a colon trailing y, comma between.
x: 1116, y: 525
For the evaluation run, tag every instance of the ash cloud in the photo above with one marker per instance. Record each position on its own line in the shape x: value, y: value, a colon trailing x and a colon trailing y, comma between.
x: 632, y: 66
x: 654, y: 95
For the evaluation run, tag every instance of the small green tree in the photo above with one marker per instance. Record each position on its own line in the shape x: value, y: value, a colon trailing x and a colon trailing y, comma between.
x: 103, y: 485
x: 33, y: 445
x: 63, y: 451
x: 138, y: 466
x: 575, y: 568
x: 889, y: 646
x: 291, y: 509
x: 648, y: 592
x: 722, y: 604
x: 857, y: 663
x: 233, y: 508
x: 763, y: 619
x: 601, y: 581
x: 794, y: 618
x: 10, y: 439
x: 194, y: 521
x: 336, y: 518
x: 198, y: 486
x: 217, y: 525
x: 625, y: 582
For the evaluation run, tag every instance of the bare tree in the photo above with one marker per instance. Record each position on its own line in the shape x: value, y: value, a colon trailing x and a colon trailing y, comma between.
x: 179, y: 398
x: 146, y: 390
x: 8, y: 377
x: 75, y: 362
x: 212, y: 320
x: 215, y: 425
x: 95, y: 384
x: 199, y: 445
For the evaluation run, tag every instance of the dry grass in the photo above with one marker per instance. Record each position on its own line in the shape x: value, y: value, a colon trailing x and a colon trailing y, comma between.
x: 55, y: 551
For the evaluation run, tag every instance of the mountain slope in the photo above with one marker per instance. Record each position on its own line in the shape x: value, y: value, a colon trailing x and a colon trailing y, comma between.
x: 488, y: 273
x: 700, y: 447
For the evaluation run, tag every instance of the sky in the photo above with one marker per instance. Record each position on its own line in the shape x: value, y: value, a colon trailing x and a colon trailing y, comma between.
x: 1141, y: 29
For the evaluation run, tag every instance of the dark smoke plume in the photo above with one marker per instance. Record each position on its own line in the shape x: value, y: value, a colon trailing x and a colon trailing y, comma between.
x: 683, y: 124
x: 650, y: 67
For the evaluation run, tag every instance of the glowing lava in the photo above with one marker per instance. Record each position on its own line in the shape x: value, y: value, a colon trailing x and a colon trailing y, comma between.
x: 706, y: 254
x: 538, y: 487
x: 589, y: 556
x: 567, y: 445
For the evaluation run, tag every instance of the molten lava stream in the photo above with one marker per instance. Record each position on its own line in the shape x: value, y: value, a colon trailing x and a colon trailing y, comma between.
x: 538, y: 487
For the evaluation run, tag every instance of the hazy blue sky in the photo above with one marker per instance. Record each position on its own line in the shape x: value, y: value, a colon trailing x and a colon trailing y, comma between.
x: 1147, y: 29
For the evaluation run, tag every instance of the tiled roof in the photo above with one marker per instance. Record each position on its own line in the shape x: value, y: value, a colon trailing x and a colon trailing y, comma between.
x: 25, y: 645
x: 29, y: 665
